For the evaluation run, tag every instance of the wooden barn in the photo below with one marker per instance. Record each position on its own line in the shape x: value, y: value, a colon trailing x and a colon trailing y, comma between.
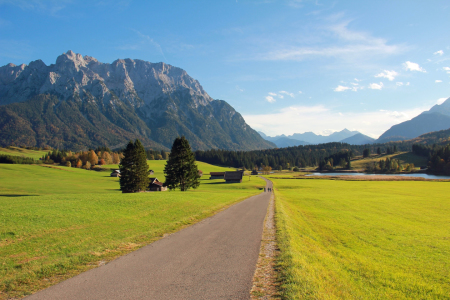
x: 254, y: 172
x: 156, y: 185
x: 234, y: 177
x: 217, y: 175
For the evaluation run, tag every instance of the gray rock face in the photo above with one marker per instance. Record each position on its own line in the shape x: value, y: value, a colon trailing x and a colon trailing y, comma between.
x: 79, y: 102
x: 74, y: 76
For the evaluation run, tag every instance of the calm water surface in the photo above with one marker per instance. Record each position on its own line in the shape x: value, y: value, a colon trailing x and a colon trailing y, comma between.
x: 426, y: 176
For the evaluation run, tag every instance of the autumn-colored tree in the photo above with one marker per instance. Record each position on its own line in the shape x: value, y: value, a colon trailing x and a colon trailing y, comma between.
x: 87, y: 166
x: 115, y: 158
x: 159, y: 157
x: 79, y: 163
x: 68, y: 164
x: 92, y: 158
x: 102, y: 162
x: 107, y: 157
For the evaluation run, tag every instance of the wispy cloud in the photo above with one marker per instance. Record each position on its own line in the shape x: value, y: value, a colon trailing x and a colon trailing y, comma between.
x: 387, y: 74
x: 142, y: 42
x: 287, y: 93
x: 51, y: 7
x: 438, y: 81
x: 344, y: 43
x: 410, y: 66
x: 318, y: 118
x: 270, y: 99
x: 341, y: 88
x: 440, y: 52
x: 447, y: 69
x: 375, y: 86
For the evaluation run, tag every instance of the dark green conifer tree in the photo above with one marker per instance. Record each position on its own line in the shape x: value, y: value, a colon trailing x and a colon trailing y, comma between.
x: 181, y: 170
x: 134, y: 168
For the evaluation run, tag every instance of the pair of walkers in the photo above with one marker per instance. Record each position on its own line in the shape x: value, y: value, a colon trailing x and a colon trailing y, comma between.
x: 268, y: 189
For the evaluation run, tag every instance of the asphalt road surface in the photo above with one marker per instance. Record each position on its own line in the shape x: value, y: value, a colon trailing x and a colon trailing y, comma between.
x: 213, y: 259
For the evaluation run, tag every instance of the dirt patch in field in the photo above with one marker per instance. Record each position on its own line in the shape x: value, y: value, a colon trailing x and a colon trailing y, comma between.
x: 265, y: 284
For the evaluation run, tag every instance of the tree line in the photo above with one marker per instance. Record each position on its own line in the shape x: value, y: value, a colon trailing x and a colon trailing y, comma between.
x: 298, y: 156
x: 438, y: 157
x: 82, y: 159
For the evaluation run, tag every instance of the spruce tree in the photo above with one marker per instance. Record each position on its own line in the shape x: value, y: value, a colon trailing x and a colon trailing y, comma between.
x: 134, y: 168
x: 181, y: 170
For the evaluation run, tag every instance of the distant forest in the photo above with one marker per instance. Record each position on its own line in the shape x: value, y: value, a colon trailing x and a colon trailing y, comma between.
x: 438, y: 157
x: 299, y: 156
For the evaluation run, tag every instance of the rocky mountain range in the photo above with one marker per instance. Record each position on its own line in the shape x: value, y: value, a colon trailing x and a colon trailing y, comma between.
x: 344, y: 136
x: 437, y: 118
x: 79, y: 102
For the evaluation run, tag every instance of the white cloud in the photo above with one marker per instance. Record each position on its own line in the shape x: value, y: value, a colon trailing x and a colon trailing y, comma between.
x: 300, y: 92
x: 239, y: 89
x: 387, y: 74
x: 287, y: 93
x: 344, y: 43
x: 437, y: 81
x: 298, y: 119
x: 407, y: 83
x: 447, y: 69
x: 272, y: 94
x: 270, y: 99
x: 440, y: 52
x: 399, y: 83
x: 357, y: 80
x: 441, y: 100
x: 376, y: 86
x: 341, y: 88
x: 410, y: 66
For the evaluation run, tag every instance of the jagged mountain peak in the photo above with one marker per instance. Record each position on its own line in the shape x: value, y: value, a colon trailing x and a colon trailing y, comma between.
x: 81, y: 102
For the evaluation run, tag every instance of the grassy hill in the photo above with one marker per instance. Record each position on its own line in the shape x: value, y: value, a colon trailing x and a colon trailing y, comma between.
x: 404, y: 157
x: 17, y: 151
x: 56, y: 222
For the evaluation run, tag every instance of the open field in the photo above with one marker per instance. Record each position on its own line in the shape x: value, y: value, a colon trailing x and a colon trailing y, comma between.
x: 16, y: 151
x: 363, y: 239
x: 57, y: 222
x: 404, y: 157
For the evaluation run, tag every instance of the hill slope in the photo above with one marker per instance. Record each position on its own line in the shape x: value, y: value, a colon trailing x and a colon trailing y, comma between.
x: 437, y: 118
x: 80, y: 102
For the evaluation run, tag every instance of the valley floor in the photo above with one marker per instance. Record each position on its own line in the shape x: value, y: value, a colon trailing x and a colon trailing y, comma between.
x: 363, y: 239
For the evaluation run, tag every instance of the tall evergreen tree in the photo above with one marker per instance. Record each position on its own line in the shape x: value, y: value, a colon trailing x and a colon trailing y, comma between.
x: 134, y: 168
x: 181, y: 170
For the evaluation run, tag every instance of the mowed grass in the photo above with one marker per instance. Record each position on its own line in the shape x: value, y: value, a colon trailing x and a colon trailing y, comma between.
x: 57, y: 222
x: 16, y: 151
x: 403, y: 157
x: 363, y: 239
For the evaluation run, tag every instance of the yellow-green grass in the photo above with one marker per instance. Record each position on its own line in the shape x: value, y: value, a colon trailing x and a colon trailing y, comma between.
x: 57, y: 222
x: 16, y: 151
x: 363, y: 240
x: 403, y: 157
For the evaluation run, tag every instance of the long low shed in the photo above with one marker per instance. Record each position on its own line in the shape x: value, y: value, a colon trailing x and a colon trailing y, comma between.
x: 217, y: 175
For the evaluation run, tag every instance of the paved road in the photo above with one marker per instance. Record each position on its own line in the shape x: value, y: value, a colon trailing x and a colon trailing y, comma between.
x: 213, y: 259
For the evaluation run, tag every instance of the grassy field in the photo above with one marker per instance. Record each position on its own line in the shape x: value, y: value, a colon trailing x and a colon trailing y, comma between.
x: 57, y: 222
x: 363, y: 240
x: 404, y: 157
x: 16, y: 151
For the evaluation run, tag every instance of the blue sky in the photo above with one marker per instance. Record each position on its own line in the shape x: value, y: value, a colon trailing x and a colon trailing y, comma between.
x: 286, y: 66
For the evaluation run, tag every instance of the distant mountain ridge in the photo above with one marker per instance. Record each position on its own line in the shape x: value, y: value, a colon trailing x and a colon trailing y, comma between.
x: 79, y: 102
x: 344, y: 136
x: 435, y: 119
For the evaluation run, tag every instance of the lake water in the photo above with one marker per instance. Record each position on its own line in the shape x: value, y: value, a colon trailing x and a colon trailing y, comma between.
x: 422, y: 175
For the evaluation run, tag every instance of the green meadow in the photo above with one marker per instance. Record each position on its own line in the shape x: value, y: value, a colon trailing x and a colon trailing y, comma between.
x: 403, y: 157
x: 56, y: 222
x: 16, y: 151
x: 363, y: 239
